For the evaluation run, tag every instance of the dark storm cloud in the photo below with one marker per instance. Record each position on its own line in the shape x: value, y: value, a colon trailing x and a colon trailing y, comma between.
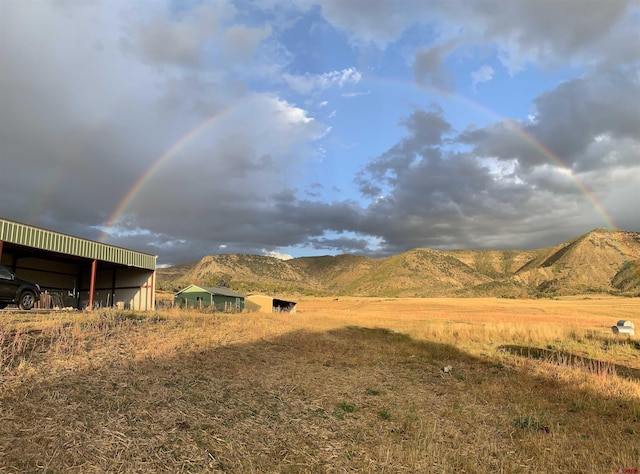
x: 346, y: 244
x: 429, y: 67
x: 427, y: 129
x: 568, y: 123
x: 561, y: 29
x: 551, y: 34
x: 506, y: 184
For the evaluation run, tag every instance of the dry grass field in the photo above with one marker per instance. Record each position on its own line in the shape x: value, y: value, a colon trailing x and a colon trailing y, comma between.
x: 349, y: 385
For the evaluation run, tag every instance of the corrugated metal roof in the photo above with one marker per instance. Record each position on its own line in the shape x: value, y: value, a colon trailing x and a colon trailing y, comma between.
x: 36, y: 237
x: 214, y: 291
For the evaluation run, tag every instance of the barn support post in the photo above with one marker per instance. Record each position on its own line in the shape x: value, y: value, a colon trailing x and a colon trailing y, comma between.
x: 92, y: 285
x: 1, y: 250
x: 113, y: 288
x: 153, y: 303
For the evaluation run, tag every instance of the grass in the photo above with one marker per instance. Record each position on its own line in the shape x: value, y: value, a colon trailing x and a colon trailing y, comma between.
x: 349, y: 385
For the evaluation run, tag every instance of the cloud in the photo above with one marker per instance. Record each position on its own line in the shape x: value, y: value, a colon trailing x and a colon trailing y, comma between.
x: 275, y: 254
x: 429, y: 67
x: 161, y: 40
x: 547, y: 34
x: 377, y: 22
x: 484, y: 74
x: 568, y: 121
x: 307, y: 83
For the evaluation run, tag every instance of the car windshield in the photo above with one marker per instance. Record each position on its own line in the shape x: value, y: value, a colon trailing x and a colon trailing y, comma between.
x: 5, y: 274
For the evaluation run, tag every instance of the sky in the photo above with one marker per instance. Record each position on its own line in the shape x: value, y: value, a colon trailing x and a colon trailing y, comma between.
x: 289, y: 128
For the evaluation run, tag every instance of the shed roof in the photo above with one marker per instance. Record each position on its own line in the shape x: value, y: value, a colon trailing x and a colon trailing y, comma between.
x: 215, y: 291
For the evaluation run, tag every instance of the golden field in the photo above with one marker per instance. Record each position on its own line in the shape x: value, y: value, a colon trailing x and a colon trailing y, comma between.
x: 347, y: 385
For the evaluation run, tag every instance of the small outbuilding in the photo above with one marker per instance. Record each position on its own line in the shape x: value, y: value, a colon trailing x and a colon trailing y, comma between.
x: 220, y: 299
x: 268, y: 304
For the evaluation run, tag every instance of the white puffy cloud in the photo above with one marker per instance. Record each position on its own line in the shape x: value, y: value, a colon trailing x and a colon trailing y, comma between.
x: 275, y: 254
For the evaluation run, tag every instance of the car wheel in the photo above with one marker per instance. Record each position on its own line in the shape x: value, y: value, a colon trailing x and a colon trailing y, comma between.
x: 27, y: 300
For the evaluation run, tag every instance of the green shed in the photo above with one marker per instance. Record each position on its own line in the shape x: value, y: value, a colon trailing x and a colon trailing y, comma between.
x: 223, y: 299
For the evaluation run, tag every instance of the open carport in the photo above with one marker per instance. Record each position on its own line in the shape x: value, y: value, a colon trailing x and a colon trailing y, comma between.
x: 76, y: 272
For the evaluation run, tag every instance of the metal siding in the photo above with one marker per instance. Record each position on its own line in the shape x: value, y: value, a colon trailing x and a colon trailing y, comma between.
x: 48, y: 274
x: 132, y: 277
x: 126, y: 297
x: 133, y: 288
x: 28, y: 236
x: 222, y: 303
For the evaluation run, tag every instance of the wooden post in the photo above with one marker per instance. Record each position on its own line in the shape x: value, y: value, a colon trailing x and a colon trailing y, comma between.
x: 1, y: 250
x: 92, y: 285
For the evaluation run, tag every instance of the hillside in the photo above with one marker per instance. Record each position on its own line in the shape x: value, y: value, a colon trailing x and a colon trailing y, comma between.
x: 601, y: 261
x: 243, y: 273
x: 587, y: 264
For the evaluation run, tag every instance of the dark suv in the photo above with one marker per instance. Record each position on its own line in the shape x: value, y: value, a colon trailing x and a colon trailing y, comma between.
x: 14, y: 290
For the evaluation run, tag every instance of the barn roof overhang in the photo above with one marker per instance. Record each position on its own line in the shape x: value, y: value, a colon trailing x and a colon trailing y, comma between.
x: 50, y: 243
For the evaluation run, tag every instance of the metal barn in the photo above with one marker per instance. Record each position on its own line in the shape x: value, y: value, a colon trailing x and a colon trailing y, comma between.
x: 76, y: 272
x: 220, y: 299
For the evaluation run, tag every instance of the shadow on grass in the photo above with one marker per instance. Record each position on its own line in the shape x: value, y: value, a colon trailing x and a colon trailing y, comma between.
x: 352, y: 399
x: 564, y: 358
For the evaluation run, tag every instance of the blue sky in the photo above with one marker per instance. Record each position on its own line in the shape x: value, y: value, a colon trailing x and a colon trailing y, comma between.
x: 332, y: 126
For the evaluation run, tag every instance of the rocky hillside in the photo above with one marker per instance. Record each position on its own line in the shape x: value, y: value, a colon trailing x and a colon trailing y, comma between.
x: 601, y: 261
x: 598, y: 262
x: 243, y: 273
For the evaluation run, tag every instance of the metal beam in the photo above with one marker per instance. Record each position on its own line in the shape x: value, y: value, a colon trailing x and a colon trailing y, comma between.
x: 92, y: 285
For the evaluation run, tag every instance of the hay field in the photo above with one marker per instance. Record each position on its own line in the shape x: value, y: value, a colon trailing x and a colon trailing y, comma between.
x: 348, y: 385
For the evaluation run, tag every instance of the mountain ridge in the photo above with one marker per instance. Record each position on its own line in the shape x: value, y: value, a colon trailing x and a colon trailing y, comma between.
x: 600, y: 261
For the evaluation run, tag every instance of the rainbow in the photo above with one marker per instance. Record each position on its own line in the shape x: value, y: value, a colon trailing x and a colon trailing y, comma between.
x: 178, y: 145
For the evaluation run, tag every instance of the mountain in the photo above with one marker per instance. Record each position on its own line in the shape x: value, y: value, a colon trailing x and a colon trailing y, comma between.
x: 587, y: 264
x: 601, y: 261
x: 242, y: 273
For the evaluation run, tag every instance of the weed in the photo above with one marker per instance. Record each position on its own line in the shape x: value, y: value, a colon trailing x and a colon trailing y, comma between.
x: 384, y: 414
x: 532, y: 423
x: 577, y: 405
x: 347, y: 407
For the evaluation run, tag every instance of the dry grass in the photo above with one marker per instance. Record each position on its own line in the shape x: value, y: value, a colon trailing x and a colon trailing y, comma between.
x: 349, y: 385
